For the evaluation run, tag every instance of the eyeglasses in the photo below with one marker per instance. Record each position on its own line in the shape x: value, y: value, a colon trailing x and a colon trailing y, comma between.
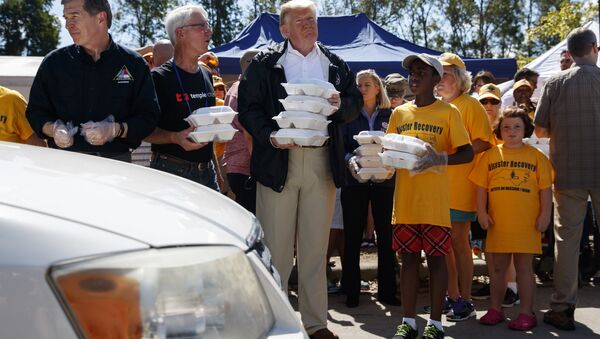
x: 205, y: 26
x: 489, y: 101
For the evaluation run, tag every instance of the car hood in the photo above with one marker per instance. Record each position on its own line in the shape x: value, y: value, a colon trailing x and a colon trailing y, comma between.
x: 140, y: 203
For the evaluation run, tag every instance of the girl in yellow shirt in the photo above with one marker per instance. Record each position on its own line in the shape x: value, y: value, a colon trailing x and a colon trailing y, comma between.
x: 514, y: 201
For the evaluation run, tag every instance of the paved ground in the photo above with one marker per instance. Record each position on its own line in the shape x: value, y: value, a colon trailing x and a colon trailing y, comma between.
x: 374, y: 320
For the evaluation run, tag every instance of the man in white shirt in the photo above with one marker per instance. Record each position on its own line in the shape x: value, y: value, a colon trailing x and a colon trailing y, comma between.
x: 296, y: 185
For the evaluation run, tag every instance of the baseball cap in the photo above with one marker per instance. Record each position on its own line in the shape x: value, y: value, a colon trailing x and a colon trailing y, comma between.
x: 521, y: 83
x: 426, y: 58
x: 395, y: 83
x: 218, y: 81
x: 489, y: 91
x: 451, y: 59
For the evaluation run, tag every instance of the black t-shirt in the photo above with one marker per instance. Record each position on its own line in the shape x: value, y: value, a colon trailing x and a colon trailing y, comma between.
x: 197, y: 91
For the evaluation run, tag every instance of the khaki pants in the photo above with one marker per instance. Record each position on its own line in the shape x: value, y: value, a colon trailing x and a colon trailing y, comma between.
x: 570, y: 209
x: 302, y: 212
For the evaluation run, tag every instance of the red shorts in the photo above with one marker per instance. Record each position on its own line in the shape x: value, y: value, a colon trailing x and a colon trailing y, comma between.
x: 433, y: 240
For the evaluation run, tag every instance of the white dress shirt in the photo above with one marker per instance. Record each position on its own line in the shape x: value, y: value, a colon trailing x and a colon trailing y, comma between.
x: 296, y: 66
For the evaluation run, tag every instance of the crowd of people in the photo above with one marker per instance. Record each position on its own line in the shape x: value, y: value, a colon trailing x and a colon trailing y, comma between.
x: 477, y: 181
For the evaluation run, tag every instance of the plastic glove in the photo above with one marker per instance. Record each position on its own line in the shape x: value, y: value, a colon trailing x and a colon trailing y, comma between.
x: 99, y: 133
x: 63, y: 133
x: 354, y: 168
x: 431, y: 160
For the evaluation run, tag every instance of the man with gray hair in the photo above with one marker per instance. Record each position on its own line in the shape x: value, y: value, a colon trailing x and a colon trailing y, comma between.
x: 569, y: 113
x: 162, y: 51
x: 296, y: 185
x: 182, y: 86
x: 96, y: 86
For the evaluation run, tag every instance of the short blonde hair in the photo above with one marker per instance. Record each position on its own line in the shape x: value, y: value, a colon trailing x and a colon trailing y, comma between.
x: 383, y: 101
x: 463, y: 78
x: 292, y: 5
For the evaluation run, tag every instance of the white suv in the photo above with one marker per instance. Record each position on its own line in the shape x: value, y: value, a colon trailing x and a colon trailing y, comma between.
x: 96, y: 248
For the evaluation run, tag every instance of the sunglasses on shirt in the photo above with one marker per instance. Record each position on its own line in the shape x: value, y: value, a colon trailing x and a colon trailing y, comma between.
x: 489, y: 101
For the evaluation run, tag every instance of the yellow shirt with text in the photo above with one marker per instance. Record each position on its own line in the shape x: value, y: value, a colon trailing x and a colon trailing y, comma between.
x: 462, y: 190
x: 424, y: 198
x: 14, y: 126
x: 513, y: 178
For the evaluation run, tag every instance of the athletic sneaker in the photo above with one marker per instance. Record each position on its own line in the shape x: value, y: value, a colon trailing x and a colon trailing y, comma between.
x: 510, y: 298
x: 446, y: 308
x: 483, y: 293
x: 405, y: 331
x: 461, y: 310
x: 432, y: 332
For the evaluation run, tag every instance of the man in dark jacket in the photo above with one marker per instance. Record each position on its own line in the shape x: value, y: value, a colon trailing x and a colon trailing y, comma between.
x: 296, y: 185
x: 95, y: 86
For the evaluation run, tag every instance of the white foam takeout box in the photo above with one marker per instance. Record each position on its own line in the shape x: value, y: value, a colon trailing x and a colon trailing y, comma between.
x: 301, y: 137
x: 299, y: 119
x: 369, y: 137
x: 403, y: 143
x: 211, y: 115
x: 369, y: 161
x: 313, y: 87
x: 398, y: 159
x: 379, y: 173
x: 217, y: 132
x: 368, y: 150
x: 542, y: 144
x: 308, y: 103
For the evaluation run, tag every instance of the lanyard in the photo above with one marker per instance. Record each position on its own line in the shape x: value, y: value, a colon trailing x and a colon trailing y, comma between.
x: 187, y: 102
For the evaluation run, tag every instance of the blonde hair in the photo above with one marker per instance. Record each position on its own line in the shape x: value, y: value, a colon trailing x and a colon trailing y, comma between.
x: 383, y: 101
x: 463, y: 79
x: 292, y: 5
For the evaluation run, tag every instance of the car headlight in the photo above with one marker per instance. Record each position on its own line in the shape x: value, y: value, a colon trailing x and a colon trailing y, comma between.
x: 193, y: 292
x: 255, y: 243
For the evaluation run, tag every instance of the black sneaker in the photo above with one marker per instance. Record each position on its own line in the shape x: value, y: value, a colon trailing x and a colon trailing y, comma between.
x: 405, y: 331
x: 461, y: 310
x: 510, y: 298
x: 483, y: 293
x: 432, y: 332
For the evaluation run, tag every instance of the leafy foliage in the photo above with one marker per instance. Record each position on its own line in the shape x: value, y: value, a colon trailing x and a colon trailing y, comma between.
x: 26, y: 27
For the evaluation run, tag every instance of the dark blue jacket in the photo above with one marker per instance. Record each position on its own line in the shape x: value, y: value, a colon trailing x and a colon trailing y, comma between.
x: 362, y: 124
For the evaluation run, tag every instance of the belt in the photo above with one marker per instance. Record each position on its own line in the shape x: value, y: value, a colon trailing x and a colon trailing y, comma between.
x: 175, y: 160
x: 325, y: 144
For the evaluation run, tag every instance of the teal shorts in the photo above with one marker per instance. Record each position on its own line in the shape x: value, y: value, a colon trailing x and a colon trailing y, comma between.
x: 462, y: 216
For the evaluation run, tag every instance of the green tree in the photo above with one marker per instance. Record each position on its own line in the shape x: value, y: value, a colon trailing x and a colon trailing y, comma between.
x: 26, y: 27
x: 226, y: 19
x: 141, y: 19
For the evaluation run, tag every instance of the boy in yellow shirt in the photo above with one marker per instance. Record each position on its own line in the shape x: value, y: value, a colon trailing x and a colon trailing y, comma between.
x: 14, y: 126
x: 421, y: 215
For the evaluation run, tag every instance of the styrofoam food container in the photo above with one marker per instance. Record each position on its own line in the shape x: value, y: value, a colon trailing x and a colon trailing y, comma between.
x: 379, y: 173
x: 370, y: 161
x: 369, y: 137
x: 312, y: 87
x: 308, y: 103
x: 403, y: 143
x: 198, y: 120
x: 399, y: 159
x: 368, y: 150
x: 542, y: 144
x: 218, y: 132
x: 299, y: 119
x: 301, y: 137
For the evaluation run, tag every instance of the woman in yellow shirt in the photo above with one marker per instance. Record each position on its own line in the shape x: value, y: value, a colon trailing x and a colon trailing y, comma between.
x: 514, y: 201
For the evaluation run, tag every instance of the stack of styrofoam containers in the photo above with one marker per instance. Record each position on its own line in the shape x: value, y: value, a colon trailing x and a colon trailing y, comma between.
x: 543, y: 144
x: 401, y: 151
x: 212, y: 124
x: 304, y: 122
x: 371, y: 166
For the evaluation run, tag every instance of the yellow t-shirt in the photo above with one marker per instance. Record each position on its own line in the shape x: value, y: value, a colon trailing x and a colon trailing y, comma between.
x: 462, y: 190
x: 14, y: 126
x: 513, y: 179
x: 424, y: 198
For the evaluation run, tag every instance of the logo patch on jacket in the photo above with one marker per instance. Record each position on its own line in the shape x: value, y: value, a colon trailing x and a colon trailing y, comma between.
x: 123, y: 76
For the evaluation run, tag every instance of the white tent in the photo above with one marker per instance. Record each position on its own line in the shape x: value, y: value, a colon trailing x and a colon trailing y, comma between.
x: 17, y: 72
x: 546, y: 64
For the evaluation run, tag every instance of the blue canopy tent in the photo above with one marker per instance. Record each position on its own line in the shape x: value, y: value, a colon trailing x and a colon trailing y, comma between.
x: 355, y: 38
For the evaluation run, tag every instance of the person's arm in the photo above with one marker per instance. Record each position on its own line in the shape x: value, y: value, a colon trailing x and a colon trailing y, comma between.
x: 483, y: 217
x: 350, y: 100
x: 463, y: 155
x: 161, y: 136
x: 542, y: 132
x: 35, y: 141
x: 543, y: 219
x: 542, y: 111
x: 40, y: 111
x: 480, y: 146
